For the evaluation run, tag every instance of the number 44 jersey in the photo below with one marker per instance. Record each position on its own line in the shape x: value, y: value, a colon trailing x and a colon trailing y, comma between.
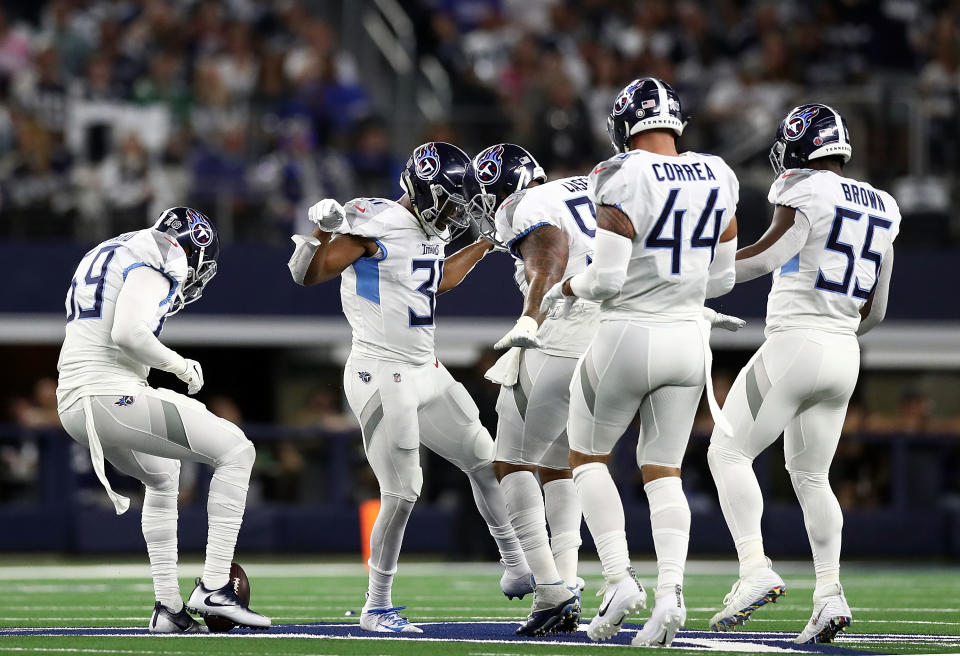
x: 679, y: 206
x: 852, y: 226
x: 563, y: 204
x: 90, y: 361
x: 390, y: 298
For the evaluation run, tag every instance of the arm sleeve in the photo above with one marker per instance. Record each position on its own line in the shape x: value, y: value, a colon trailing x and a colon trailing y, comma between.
x: 878, y: 309
x: 723, y: 273
x: 605, y: 276
x: 135, y: 319
x: 774, y: 257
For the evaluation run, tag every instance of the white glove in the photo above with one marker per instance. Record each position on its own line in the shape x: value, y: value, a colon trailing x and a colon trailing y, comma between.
x: 725, y: 321
x: 523, y: 334
x: 328, y: 214
x: 555, y: 304
x: 193, y: 376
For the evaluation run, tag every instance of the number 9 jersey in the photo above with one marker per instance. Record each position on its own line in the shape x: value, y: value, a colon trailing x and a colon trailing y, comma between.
x: 91, y: 363
x: 563, y: 204
x: 679, y: 207
x: 852, y: 226
x: 390, y: 298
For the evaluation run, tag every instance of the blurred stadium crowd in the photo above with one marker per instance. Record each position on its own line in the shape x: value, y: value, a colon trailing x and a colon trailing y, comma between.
x: 251, y: 109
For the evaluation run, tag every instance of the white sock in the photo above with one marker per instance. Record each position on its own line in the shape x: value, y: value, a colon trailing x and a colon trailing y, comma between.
x: 385, y: 541
x: 824, y: 521
x: 670, y: 522
x: 490, y: 502
x: 158, y: 520
x: 225, y: 505
x: 742, y: 504
x: 563, y: 513
x: 527, y: 516
x: 603, y: 511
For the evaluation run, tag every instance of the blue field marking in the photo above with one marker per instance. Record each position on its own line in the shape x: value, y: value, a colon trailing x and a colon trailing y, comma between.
x: 493, y: 632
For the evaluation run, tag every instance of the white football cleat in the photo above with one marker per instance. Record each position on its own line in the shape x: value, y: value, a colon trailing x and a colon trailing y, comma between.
x: 517, y: 582
x: 668, y: 616
x: 747, y: 595
x: 386, y: 620
x: 165, y: 620
x: 224, y: 603
x: 619, y: 600
x: 831, y: 615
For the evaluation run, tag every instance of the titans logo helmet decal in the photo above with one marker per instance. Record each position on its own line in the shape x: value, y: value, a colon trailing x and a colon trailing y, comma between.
x: 201, y: 232
x: 625, y: 96
x: 797, y: 123
x: 489, y: 165
x: 426, y: 161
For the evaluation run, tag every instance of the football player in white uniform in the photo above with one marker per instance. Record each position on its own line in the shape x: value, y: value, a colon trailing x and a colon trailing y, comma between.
x: 549, y: 229
x: 831, y: 237
x: 390, y: 258
x: 666, y: 239
x: 122, y: 292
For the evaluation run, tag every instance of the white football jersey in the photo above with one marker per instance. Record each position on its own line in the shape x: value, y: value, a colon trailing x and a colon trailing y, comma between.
x: 390, y: 298
x: 90, y: 362
x: 852, y: 226
x: 679, y: 207
x: 563, y: 204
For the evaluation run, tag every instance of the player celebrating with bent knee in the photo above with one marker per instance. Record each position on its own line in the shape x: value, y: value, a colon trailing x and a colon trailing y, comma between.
x: 122, y: 292
x: 831, y: 237
x: 549, y: 229
x: 390, y: 257
x: 666, y: 239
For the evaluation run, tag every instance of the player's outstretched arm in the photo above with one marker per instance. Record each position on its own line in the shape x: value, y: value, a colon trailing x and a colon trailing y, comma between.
x: 783, y: 239
x: 135, y: 319
x: 611, y: 254
x: 457, y: 266
x: 875, y: 309
x: 544, y: 251
x: 723, y: 273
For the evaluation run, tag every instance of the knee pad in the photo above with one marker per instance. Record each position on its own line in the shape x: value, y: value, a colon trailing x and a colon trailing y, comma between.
x: 406, y: 481
x: 717, y: 455
x: 479, y: 451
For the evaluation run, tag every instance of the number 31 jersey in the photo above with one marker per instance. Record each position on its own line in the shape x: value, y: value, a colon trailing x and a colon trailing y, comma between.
x: 679, y: 207
x: 90, y: 362
x: 390, y: 298
x: 563, y: 204
x: 852, y: 226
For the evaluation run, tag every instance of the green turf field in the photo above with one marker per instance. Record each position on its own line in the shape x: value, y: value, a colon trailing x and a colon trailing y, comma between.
x: 887, y: 600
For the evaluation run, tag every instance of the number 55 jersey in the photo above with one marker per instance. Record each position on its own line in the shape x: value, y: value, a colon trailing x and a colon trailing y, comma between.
x: 679, y: 207
x: 91, y: 363
x: 390, y: 298
x: 852, y: 226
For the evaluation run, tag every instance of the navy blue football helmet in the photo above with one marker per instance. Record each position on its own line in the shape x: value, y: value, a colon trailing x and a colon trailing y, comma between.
x: 645, y: 104
x: 494, y: 174
x: 198, y: 239
x: 433, y: 178
x: 809, y: 132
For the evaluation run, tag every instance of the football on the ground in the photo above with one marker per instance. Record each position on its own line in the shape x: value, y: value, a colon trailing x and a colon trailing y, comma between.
x: 241, y: 585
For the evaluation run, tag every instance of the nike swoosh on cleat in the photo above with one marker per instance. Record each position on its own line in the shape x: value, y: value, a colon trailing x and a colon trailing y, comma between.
x: 362, y: 210
x: 214, y: 604
x: 603, y: 611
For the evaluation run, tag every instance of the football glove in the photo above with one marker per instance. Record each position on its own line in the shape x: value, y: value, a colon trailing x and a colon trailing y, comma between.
x: 725, y: 321
x: 555, y: 304
x: 193, y: 376
x: 328, y: 214
x: 523, y: 334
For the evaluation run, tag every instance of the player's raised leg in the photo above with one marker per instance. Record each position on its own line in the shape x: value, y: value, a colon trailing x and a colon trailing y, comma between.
x: 387, y: 412
x: 450, y: 427
x: 162, y: 423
